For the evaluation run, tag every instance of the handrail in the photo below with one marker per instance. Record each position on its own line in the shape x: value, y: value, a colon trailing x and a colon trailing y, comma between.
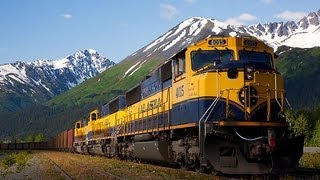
x: 116, y: 131
x: 288, y: 103
x: 275, y: 87
x: 267, y: 93
x: 202, y: 123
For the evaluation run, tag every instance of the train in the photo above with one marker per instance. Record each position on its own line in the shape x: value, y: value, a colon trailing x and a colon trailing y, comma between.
x: 216, y: 106
x: 63, y: 141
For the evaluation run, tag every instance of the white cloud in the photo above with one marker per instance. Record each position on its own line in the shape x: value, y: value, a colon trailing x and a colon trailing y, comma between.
x: 242, y: 19
x: 267, y: 1
x: 168, y: 11
x: 66, y: 16
x: 190, y: 1
x: 247, y: 17
x: 290, y: 16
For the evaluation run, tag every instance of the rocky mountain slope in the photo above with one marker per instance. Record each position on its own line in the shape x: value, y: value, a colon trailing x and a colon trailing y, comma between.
x: 303, y: 34
x: 25, y: 83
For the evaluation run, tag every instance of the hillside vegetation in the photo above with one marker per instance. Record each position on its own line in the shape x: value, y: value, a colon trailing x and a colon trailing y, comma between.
x: 100, y: 89
x: 301, y: 70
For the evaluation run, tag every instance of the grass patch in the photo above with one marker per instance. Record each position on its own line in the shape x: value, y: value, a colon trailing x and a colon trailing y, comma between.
x: 19, y: 158
x: 311, y: 160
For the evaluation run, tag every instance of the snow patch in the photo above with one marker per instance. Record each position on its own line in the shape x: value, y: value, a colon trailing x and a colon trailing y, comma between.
x: 134, y: 54
x: 59, y: 64
x: 200, y: 26
x: 92, y: 51
x: 71, y: 85
x: 156, y: 41
x: 233, y: 34
x: 137, y: 68
x: 173, y: 42
x: 132, y: 67
x: 17, y: 73
x: 281, y: 52
x: 218, y: 26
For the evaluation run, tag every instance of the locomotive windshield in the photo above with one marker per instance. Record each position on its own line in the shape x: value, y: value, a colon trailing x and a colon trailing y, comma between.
x: 256, y: 57
x: 202, y: 58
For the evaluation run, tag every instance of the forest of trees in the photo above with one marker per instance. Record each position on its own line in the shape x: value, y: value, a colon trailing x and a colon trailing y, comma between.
x: 306, y: 122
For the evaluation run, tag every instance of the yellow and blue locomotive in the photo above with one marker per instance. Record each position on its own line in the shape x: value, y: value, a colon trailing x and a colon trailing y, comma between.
x: 217, y: 105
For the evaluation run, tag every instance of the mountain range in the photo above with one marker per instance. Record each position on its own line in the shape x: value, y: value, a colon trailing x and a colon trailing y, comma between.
x: 26, y: 83
x: 303, y: 34
x: 41, y: 80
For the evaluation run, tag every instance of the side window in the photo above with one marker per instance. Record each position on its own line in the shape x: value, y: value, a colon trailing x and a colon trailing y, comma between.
x: 93, y: 116
x: 78, y: 125
x: 179, y: 66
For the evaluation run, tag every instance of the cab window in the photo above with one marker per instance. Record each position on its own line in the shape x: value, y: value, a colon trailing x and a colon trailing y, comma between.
x: 202, y: 58
x: 93, y: 116
x: 256, y: 57
x: 78, y: 125
x: 179, y: 66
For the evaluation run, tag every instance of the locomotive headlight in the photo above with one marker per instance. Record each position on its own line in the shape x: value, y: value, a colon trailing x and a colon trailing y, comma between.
x: 249, y: 73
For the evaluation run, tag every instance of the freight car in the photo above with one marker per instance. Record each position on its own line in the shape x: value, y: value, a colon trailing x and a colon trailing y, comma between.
x: 24, y: 146
x: 217, y: 105
x: 62, y: 141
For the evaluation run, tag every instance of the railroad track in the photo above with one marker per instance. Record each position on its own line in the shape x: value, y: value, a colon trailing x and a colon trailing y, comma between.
x: 97, y: 171
x: 101, y: 172
x: 306, y: 173
x: 300, y: 173
x: 93, y: 169
x: 58, y: 168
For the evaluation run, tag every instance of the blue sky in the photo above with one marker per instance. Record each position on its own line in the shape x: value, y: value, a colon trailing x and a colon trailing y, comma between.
x: 39, y: 29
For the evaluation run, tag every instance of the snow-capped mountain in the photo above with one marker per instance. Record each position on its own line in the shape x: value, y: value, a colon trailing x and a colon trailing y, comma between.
x: 304, y: 34
x: 182, y: 35
x: 43, y: 79
x: 178, y: 38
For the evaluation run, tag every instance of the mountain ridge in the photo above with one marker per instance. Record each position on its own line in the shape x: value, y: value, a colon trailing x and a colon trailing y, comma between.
x: 304, y: 33
x: 41, y: 80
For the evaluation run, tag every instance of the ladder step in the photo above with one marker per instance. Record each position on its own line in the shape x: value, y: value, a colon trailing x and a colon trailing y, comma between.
x: 115, y: 133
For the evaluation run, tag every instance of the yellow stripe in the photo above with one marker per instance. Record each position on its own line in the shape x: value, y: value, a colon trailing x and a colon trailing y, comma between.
x: 189, y: 125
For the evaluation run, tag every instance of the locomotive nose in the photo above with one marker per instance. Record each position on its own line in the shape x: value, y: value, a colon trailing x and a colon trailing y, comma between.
x: 226, y: 156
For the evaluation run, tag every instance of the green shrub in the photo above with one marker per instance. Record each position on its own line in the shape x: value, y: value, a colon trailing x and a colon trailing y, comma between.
x: 315, y: 140
x: 20, y: 159
x: 9, y: 160
x: 310, y: 160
